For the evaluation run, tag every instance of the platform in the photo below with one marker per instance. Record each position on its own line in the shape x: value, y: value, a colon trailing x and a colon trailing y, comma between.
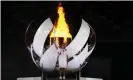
x: 39, y: 78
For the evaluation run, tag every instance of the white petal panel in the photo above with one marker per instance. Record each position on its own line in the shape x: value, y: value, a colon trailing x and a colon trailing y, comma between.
x: 78, y: 60
x: 79, y: 41
x: 31, y: 50
x: 81, y: 57
x: 49, y: 59
x: 41, y: 35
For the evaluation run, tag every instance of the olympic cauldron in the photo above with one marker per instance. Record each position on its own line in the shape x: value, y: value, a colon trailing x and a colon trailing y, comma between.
x: 46, y: 56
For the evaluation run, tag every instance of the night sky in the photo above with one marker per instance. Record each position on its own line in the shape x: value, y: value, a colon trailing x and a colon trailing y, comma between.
x: 112, y: 22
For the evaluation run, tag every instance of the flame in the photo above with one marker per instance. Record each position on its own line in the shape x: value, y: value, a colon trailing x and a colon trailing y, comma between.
x: 61, y: 28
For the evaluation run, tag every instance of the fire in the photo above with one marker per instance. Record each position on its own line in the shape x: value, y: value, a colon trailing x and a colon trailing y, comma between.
x: 61, y: 28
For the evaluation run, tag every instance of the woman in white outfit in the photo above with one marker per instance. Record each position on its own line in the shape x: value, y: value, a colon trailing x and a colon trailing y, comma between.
x: 62, y: 52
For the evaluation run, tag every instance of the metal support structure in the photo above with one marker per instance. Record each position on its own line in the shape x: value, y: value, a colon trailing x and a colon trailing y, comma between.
x: 44, y: 76
x: 78, y: 74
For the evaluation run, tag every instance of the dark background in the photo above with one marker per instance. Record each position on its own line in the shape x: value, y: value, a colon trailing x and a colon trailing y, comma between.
x: 112, y: 22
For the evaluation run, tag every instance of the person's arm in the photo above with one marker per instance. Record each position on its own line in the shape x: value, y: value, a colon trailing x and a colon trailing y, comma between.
x: 55, y: 45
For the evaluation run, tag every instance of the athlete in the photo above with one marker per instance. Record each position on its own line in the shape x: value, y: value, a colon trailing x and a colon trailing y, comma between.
x: 62, y: 59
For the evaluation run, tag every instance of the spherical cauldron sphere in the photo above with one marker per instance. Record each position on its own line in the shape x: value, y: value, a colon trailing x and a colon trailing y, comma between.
x: 45, y: 55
